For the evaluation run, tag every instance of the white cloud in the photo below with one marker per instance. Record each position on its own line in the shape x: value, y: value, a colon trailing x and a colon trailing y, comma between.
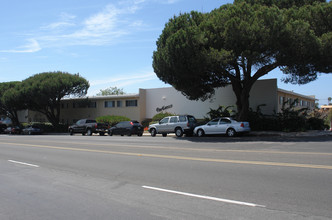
x: 167, y: 1
x: 58, y: 25
x: 124, y: 80
x: 103, y: 21
x: 31, y: 47
x: 66, y: 20
x: 106, y: 27
x: 103, y: 28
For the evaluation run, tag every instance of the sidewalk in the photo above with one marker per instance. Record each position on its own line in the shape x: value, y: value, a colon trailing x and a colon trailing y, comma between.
x: 312, y: 133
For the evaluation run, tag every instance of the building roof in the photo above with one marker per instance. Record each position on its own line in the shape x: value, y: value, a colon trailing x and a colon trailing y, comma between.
x: 104, y: 97
x: 312, y: 97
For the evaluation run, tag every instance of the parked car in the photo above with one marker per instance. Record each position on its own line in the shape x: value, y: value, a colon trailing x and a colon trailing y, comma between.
x: 13, y: 130
x: 223, y: 125
x: 2, y: 128
x: 88, y: 126
x: 32, y: 129
x: 181, y: 124
x: 127, y: 128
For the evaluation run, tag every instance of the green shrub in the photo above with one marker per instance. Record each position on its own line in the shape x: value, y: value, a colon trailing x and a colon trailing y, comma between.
x: 315, y: 124
x: 221, y: 111
x: 328, y: 120
x: 161, y: 115
x: 112, y: 119
x: 287, y: 120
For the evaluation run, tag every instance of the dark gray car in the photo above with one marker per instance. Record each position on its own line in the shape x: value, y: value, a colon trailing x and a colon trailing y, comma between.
x: 126, y: 128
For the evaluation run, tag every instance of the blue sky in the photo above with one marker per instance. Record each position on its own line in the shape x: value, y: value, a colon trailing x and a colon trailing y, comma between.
x: 110, y: 43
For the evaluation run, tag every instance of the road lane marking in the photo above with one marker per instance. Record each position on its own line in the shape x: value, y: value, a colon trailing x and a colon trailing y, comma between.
x: 205, y: 197
x: 22, y: 163
x: 313, y: 166
x: 199, y: 149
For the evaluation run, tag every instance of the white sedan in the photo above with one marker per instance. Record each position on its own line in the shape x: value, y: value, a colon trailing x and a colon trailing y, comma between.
x: 223, y: 125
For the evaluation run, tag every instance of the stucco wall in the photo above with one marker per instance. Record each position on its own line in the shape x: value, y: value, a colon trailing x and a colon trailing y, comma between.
x: 263, y: 92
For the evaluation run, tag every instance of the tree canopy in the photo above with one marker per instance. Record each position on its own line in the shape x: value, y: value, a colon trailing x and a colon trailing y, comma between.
x: 11, y: 101
x: 239, y: 43
x: 111, y: 91
x: 44, y: 92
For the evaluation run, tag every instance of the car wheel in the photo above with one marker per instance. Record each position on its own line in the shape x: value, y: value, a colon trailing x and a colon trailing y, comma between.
x: 200, y: 133
x: 230, y: 132
x: 110, y: 133
x: 83, y: 134
x: 140, y: 134
x: 153, y: 132
x: 71, y: 132
x: 164, y: 135
x: 101, y: 133
x: 178, y: 132
x: 30, y: 133
x: 89, y: 132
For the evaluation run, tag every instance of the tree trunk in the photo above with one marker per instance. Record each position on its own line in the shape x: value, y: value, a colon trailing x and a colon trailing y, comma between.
x: 54, y: 119
x: 242, y: 99
x: 14, y: 117
x: 244, y: 112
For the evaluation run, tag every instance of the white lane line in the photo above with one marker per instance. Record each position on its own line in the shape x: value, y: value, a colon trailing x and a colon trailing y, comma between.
x: 205, y: 197
x: 27, y: 164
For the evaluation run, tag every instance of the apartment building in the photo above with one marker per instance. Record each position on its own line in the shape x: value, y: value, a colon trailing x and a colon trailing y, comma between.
x: 149, y: 102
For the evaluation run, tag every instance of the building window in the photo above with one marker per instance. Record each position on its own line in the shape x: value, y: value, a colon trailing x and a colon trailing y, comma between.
x: 290, y: 101
x: 281, y: 100
x: 119, y: 104
x: 92, y: 105
x: 131, y: 103
x: 109, y: 104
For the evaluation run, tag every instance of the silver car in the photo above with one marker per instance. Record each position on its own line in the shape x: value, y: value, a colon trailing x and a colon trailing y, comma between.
x: 181, y: 124
x: 224, y: 125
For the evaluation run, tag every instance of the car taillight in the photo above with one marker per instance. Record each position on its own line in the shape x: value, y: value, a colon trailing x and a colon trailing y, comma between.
x: 242, y: 125
x: 131, y: 123
x: 96, y: 125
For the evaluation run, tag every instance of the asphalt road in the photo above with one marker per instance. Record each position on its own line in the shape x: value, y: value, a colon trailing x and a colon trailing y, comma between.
x: 81, y: 177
